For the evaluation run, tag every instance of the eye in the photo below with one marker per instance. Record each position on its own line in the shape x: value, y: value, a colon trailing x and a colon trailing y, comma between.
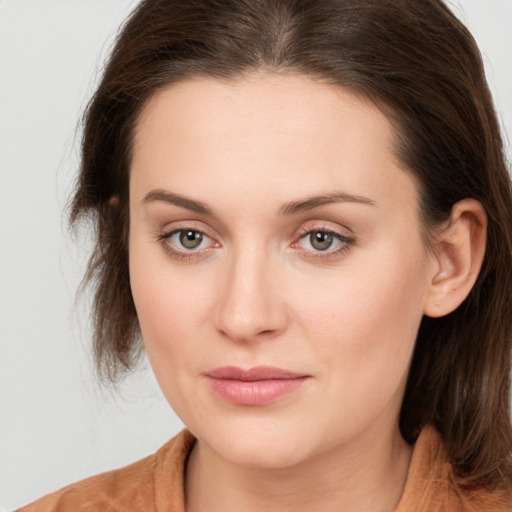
x: 187, y: 239
x: 323, y: 242
x: 186, y: 243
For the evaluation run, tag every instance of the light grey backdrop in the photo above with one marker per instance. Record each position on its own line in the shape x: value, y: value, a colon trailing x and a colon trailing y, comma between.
x: 56, y: 426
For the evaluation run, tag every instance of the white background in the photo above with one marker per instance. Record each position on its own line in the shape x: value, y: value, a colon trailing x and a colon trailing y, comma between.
x: 56, y: 424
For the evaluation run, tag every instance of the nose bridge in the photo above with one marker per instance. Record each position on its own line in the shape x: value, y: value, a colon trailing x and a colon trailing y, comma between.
x: 250, y: 305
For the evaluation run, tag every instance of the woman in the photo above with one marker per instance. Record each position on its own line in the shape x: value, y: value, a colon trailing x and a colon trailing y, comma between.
x: 304, y: 212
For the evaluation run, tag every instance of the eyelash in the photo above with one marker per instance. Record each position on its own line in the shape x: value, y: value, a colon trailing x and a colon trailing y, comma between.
x: 184, y: 255
x: 345, y: 241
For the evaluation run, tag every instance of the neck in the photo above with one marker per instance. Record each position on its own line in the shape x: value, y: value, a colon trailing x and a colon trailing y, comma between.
x: 369, y: 475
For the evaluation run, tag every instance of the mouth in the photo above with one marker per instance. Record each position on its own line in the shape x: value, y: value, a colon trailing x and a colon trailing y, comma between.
x: 255, y: 386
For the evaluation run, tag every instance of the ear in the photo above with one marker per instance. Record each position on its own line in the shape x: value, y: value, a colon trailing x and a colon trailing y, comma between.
x: 458, y: 253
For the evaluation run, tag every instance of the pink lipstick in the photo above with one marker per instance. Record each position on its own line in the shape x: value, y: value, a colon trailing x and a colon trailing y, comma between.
x: 255, y: 386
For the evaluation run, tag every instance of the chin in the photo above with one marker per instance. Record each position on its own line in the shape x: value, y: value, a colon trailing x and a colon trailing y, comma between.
x: 256, y: 445
x: 258, y: 453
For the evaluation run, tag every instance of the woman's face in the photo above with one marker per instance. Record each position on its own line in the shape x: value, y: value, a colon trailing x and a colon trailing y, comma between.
x: 277, y: 264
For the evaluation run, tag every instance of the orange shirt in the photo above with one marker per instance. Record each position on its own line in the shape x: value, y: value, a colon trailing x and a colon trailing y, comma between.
x: 155, y: 484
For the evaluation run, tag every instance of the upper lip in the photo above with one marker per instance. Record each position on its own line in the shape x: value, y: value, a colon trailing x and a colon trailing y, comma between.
x: 253, y: 374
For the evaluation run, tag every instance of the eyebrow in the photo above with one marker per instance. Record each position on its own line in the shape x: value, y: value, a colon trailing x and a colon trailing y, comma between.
x: 176, y: 199
x: 310, y: 203
x: 290, y: 208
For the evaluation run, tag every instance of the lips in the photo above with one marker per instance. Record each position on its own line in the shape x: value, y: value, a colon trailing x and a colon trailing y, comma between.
x: 255, y: 386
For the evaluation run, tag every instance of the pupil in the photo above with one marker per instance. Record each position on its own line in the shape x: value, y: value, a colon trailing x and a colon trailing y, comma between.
x: 321, y: 240
x: 191, y: 239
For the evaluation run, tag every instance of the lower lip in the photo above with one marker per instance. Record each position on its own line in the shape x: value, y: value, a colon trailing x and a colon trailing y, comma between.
x: 256, y: 392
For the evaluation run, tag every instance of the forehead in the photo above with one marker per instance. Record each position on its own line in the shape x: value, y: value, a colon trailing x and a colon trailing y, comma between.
x: 262, y: 100
x: 291, y: 132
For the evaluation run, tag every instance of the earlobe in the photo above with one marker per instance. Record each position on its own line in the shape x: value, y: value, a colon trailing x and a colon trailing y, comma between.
x: 458, y: 253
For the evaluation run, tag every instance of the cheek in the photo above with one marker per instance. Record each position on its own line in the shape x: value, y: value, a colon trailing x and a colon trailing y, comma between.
x: 164, y: 306
x: 174, y: 306
x: 169, y: 314
x: 167, y: 297
x: 364, y: 324
x: 166, y: 309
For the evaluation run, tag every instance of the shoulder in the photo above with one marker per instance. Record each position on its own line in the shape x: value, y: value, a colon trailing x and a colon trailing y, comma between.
x: 138, y: 486
x: 432, y: 486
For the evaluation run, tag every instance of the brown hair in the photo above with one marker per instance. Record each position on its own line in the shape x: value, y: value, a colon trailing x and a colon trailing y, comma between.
x: 416, y: 60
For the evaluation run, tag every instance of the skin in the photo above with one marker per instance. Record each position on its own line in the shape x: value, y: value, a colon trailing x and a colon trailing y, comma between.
x: 258, y: 292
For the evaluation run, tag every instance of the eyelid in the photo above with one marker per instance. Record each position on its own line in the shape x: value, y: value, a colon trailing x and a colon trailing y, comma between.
x: 339, y: 236
x: 343, y: 235
x: 182, y: 225
x: 170, y: 230
x: 326, y: 226
x: 347, y: 239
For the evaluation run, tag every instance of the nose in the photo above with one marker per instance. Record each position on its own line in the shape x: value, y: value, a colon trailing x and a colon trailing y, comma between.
x: 251, y: 303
